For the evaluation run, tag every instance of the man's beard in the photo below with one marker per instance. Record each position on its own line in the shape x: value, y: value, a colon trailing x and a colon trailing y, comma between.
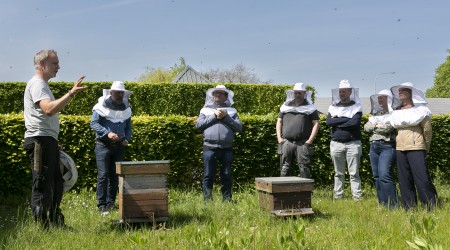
x: 49, y: 73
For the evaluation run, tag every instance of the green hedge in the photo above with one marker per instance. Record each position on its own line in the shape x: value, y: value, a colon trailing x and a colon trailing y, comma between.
x: 156, y: 98
x: 175, y: 138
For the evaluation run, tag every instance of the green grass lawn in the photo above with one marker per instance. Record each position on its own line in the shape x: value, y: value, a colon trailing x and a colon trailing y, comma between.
x: 193, y: 224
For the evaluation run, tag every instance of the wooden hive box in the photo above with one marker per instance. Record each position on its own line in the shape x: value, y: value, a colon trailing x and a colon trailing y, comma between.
x: 282, y: 194
x: 143, y: 193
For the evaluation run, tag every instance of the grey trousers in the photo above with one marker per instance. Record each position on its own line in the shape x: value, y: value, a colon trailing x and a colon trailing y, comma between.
x: 342, y: 154
x: 301, y: 152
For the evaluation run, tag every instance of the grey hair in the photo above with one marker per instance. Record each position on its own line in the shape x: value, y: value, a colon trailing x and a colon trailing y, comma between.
x: 42, y: 56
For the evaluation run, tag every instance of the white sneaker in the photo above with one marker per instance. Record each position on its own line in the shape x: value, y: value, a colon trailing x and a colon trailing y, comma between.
x: 103, y: 210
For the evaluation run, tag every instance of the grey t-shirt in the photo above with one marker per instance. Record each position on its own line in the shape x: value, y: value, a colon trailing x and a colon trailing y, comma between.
x: 37, y: 122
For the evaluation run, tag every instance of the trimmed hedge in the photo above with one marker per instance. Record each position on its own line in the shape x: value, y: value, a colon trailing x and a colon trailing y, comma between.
x: 175, y: 138
x: 156, y: 98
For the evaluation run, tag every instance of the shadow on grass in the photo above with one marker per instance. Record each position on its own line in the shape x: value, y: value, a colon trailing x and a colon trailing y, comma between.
x: 307, y: 217
x: 176, y: 220
x: 317, y: 215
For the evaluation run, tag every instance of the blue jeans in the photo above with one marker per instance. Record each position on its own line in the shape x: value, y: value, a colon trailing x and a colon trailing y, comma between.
x: 382, y: 157
x: 210, y: 157
x: 107, y: 179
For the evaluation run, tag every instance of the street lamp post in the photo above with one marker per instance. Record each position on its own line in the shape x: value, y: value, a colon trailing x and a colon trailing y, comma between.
x: 375, y: 80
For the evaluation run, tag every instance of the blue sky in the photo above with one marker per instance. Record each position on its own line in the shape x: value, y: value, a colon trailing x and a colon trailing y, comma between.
x: 316, y: 42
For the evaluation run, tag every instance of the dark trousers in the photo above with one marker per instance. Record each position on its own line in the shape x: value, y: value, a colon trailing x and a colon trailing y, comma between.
x: 47, y: 188
x: 107, y: 180
x: 210, y: 157
x: 413, y: 175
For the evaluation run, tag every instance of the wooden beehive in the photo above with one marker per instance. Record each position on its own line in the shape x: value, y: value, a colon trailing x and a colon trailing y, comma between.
x: 143, y: 194
x: 285, y: 195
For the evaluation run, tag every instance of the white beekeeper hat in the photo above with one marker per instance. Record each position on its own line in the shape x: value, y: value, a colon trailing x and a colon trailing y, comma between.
x: 118, y: 86
x: 68, y: 170
x: 375, y: 106
x: 210, y: 98
x: 299, y: 86
x: 416, y: 94
x: 344, y: 84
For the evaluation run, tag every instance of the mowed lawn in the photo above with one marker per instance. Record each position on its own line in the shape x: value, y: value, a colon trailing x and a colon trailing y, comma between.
x: 194, y: 224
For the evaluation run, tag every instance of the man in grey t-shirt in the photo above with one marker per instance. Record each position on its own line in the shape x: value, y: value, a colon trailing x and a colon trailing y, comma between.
x: 41, y: 138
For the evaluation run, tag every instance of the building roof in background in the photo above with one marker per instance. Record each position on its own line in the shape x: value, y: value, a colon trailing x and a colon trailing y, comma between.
x: 437, y: 106
x: 191, y: 76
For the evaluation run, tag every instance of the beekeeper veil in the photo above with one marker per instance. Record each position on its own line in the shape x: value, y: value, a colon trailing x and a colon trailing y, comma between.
x: 376, y: 107
x: 417, y: 95
x: 68, y: 170
x: 344, y: 84
x: 290, y: 98
x: 337, y: 110
x: 106, y: 108
x: 118, y: 86
x: 209, y: 100
x: 401, y: 118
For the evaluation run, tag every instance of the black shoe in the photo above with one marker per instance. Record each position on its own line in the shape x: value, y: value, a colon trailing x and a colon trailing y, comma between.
x: 57, y: 218
x: 65, y: 227
x: 37, y: 213
x: 40, y: 216
x: 227, y: 199
x: 111, y: 207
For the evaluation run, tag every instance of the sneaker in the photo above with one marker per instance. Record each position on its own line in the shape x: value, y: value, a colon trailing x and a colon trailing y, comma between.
x: 355, y: 198
x: 103, y: 210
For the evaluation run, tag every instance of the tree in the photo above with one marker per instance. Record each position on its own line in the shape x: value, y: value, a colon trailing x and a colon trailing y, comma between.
x: 441, y: 88
x: 160, y: 74
x: 238, y: 74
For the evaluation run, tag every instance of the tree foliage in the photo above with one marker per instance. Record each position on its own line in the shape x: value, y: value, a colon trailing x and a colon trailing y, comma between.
x: 160, y: 74
x: 157, y: 98
x: 237, y: 74
x: 441, y: 88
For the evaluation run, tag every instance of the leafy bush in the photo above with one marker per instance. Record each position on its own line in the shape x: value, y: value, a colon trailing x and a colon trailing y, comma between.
x: 175, y: 138
x: 155, y: 98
